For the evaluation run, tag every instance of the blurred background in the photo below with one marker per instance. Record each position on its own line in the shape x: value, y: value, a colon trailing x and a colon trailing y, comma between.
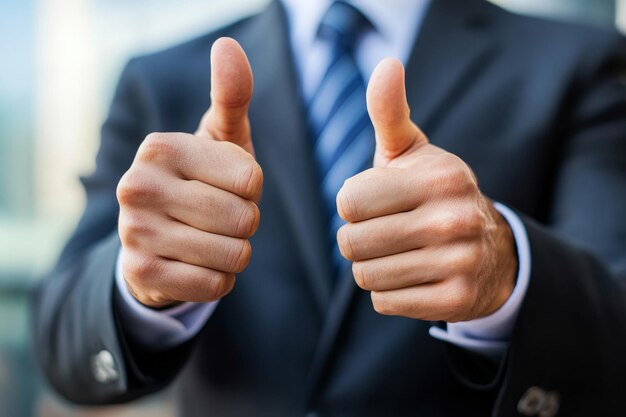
x: 60, y: 62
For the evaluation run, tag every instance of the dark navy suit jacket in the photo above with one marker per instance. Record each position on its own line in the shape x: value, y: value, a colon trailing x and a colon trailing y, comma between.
x: 536, y: 108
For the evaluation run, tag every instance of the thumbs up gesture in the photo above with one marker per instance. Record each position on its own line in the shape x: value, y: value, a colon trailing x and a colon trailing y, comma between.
x: 188, y: 203
x: 422, y: 237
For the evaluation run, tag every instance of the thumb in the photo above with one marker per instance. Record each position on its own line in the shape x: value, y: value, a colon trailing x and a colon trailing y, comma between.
x: 231, y: 91
x: 388, y: 108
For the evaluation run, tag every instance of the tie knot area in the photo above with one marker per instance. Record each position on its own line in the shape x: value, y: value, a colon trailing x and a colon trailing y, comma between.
x: 343, y: 23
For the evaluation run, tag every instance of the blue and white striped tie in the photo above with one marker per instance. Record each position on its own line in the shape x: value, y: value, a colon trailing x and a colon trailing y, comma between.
x: 344, y: 136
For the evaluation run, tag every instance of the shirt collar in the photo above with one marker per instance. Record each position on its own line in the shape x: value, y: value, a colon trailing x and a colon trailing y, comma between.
x: 393, y: 19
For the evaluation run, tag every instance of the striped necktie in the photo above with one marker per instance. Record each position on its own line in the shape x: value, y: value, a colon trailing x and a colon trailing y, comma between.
x: 344, y: 136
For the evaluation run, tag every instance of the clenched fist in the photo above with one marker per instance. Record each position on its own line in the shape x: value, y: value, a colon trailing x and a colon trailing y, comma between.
x: 188, y: 203
x: 422, y: 237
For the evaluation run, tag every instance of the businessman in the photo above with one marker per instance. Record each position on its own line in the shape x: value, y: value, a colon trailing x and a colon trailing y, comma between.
x: 309, y: 250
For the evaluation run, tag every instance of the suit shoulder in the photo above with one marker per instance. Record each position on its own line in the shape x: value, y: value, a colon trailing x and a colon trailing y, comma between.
x: 183, y: 58
x: 545, y: 34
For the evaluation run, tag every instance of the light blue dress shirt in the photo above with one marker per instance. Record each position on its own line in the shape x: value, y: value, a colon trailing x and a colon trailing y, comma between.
x: 397, y: 24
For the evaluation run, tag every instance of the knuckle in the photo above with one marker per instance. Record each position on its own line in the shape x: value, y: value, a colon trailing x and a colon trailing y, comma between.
x: 382, y: 303
x: 136, y: 187
x: 461, y: 297
x: 239, y: 256
x: 360, y: 276
x: 142, y: 268
x: 248, y: 220
x: 127, y: 188
x: 144, y: 297
x: 346, y: 201
x: 152, y: 297
x: 132, y: 228
x: 227, y: 284
x: 459, y: 221
x: 453, y: 178
x: 149, y: 268
x: 463, y: 260
x: 218, y: 285
x: 455, y: 175
x: 370, y: 275
x: 158, y: 147
x: 451, y: 162
x: 345, y: 243
x: 450, y: 223
x: 475, y: 221
x: 463, y: 264
x: 249, y: 182
x: 462, y: 222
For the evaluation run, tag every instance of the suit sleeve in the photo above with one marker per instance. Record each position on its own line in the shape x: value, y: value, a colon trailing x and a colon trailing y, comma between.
x: 570, y: 336
x: 73, y: 312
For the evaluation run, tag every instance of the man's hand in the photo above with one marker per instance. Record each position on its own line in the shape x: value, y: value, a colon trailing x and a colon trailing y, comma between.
x: 188, y: 203
x: 423, y: 238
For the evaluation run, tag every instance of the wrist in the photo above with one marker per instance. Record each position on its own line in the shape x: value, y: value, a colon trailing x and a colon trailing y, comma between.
x: 507, y: 263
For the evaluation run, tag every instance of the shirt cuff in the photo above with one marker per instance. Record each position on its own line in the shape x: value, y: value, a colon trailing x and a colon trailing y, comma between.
x: 490, y: 335
x: 159, y: 329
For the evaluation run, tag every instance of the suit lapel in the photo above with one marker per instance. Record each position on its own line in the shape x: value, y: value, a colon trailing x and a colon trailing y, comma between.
x: 434, y: 75
x: 452, y: 46
x: 280, y: 139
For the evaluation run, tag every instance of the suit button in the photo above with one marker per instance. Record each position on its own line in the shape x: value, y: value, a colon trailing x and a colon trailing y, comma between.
x: 104, y: 368
x: 551, y: 406
x: 538, y: 402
